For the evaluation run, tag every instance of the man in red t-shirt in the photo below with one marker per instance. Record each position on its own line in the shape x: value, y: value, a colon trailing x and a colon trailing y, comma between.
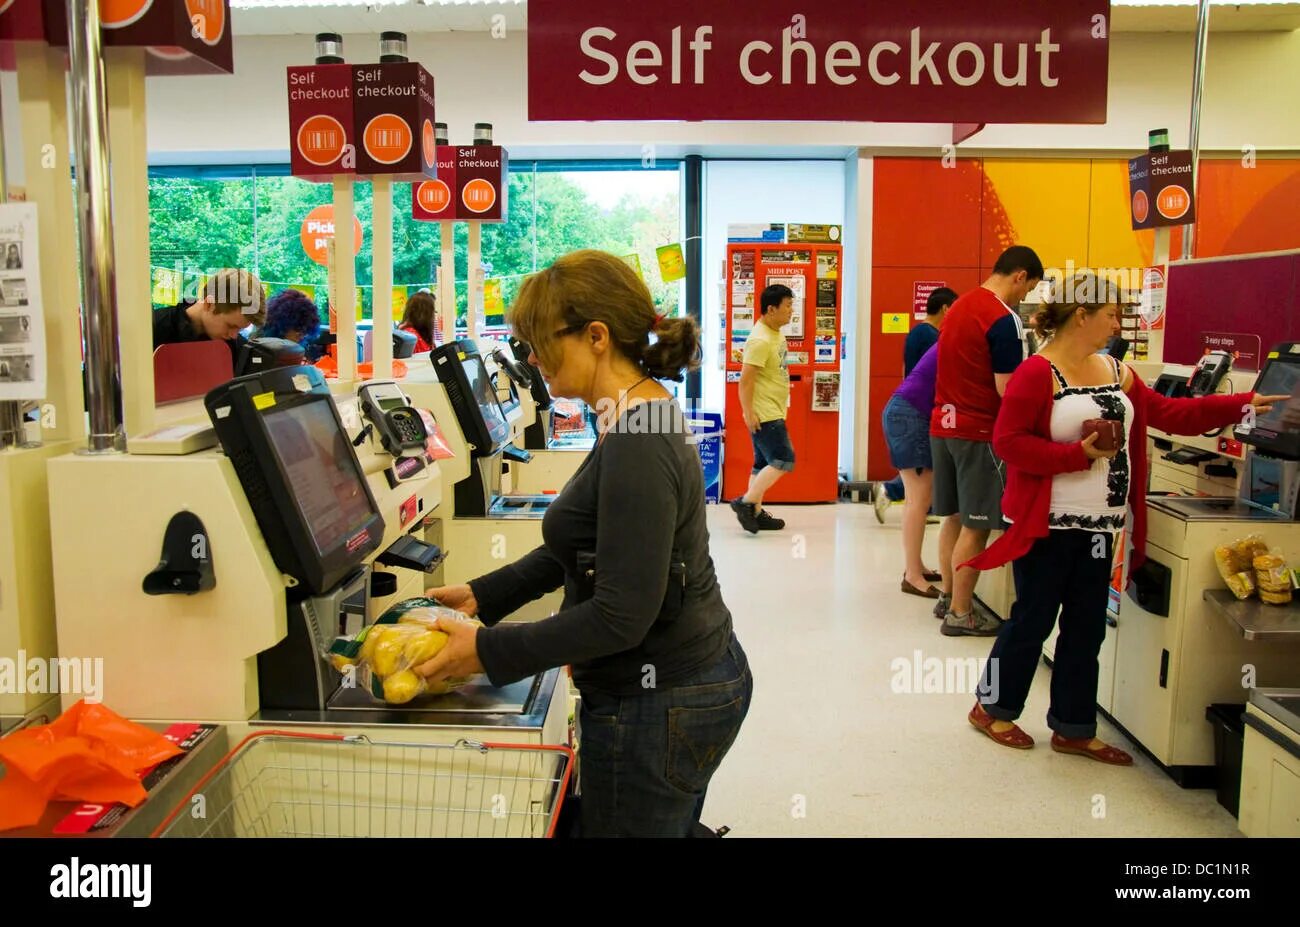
x: 980, y: 345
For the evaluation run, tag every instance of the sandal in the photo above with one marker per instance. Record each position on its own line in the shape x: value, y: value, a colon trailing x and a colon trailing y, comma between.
x: 930, y: 592
x: 1111, y: 756
x: 1012, y: 737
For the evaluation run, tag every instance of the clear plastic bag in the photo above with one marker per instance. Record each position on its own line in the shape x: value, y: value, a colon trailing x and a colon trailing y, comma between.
x: 1236, y: 564
x: 1273, y: 578
x: 383, y: 657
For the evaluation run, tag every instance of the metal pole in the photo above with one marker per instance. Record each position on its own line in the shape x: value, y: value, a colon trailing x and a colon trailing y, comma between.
x: 11, y: 410
x: 95, y: 225
x: 694, y: 261
x: 1194, y: 135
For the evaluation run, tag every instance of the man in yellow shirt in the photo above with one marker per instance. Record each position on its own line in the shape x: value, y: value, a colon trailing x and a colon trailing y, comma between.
x: 764, y: 396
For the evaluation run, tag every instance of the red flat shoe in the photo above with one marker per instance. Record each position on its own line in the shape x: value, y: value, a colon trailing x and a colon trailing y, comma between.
x: 1111, y: 756
x: 1012, y: 737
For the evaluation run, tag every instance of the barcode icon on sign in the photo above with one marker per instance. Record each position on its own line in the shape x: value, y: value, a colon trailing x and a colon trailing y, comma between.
x: 390, y: 138
x: 323, y: 140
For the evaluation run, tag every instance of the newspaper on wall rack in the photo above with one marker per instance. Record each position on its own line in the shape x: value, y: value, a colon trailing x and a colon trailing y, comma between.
x: 22, y: 322
x: 826, y: 391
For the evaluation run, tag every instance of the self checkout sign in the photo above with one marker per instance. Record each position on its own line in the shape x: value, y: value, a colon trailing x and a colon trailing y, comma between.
x: 471, y: 185
x: 1160, y: 190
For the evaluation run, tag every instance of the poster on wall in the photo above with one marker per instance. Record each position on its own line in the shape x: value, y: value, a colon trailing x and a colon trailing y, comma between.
x: 825, y: 349
x: 826, y: 322
x: 826, y: 293
x: 22, y: 322
x: 921, y: 290
x: 826, y: 391
x: 1244, y: 348
x: 742, y: 321
x: 794, y: 329
x: 796, y: 358
x: 828, y: 265
x: 1117, y: 574
x: 1152, y: 307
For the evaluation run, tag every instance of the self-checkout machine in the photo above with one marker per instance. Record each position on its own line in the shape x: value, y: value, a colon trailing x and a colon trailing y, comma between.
x: 557, y: 441
x: 472, y: 384
x: 241, y: 541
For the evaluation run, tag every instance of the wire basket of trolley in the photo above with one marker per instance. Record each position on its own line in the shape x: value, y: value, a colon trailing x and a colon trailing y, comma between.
x: 294, y: 784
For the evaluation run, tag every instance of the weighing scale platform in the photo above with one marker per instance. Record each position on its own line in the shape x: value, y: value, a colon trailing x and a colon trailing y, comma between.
x: 521, y: 506
x: 522, y: 704
x: 1211, y: 508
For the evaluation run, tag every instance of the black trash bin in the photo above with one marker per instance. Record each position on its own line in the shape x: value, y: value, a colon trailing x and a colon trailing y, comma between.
x: 1229, y: 737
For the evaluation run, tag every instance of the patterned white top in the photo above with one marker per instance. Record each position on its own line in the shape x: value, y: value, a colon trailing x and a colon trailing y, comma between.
x: 1095, y: 499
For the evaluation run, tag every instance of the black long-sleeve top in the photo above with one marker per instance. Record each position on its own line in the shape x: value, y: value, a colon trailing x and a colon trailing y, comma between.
x: 627, y: 539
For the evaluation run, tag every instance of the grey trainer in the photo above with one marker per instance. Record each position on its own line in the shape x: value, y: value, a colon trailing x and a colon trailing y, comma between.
x: 971, y: 624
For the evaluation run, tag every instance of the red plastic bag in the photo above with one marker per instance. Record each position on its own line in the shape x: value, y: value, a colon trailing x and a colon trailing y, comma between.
x: 89, y: 753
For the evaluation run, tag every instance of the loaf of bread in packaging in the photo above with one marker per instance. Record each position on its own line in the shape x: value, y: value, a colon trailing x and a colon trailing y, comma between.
x: 1242, y: 585
x: 1248, y: 548
x: 1275, y: 598
x: 1226, y: 559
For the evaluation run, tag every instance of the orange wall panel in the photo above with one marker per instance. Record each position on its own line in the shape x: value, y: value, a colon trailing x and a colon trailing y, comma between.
x: 1245, y: 210
x: 926, y: 214
x: 892, y: 291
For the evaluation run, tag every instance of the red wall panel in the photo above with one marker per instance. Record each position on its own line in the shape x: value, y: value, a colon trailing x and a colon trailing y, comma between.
x: 926, y: 214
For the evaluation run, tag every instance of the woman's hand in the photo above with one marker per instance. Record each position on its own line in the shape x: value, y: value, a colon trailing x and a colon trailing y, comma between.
x: 461, y: 598
x: 1094, y: 452
x: 1264, y: 404
x: 459, y: 656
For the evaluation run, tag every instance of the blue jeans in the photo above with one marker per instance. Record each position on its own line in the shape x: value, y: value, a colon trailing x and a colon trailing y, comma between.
x: 647, y: 758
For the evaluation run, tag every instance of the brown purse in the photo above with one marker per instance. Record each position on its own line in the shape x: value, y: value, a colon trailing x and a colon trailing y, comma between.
x: 1108, y: 431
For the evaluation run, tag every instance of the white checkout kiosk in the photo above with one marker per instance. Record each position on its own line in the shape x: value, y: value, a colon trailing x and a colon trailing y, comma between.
x: 212, y: 566
x: 1177, y: 641
x: 554, y: 453
x: 481, y: 526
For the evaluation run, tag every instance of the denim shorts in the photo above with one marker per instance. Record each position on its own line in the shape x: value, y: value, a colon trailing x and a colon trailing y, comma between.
x: 772, y: 447
x: 907, y: 432
x: 646, y: 759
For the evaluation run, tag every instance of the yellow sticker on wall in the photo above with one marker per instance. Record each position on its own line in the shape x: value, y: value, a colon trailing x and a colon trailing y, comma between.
x: 672, y: 264
x: 895, y: 323
x: 263, y: 401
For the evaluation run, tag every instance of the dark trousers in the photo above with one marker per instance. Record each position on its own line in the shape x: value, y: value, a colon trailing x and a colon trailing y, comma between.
x: 1067, y: 572
x: 647, y: 758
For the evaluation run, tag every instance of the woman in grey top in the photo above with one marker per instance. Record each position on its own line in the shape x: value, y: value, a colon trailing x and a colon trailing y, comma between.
x: 665, y: 684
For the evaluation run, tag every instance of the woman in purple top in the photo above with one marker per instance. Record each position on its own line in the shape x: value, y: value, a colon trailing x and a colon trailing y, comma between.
x: 907, y: 430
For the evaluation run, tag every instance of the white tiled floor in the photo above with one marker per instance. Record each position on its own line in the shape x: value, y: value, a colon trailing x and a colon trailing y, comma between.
x: 830, y: 750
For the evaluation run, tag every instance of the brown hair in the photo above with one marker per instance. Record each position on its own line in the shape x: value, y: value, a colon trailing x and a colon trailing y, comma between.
x: 421, y: 310
x: 237, y: 291
x: 592, y: 286
x: 1084, y: 291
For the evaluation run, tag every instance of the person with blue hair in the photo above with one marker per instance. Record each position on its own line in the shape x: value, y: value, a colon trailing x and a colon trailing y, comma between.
x: 292, y: 315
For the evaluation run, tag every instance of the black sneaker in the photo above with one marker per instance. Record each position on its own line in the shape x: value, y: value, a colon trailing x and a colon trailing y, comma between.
x: 769, y: 522
x: 745, y: 512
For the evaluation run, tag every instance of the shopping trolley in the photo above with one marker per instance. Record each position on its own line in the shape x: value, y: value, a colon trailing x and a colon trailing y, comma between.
x: 295, y: 784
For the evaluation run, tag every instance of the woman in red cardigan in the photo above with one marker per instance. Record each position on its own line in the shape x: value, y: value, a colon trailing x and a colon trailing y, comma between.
x: 1066, y: 500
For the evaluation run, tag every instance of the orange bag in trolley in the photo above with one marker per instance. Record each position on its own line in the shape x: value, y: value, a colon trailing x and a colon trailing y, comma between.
x: 87, y: 754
